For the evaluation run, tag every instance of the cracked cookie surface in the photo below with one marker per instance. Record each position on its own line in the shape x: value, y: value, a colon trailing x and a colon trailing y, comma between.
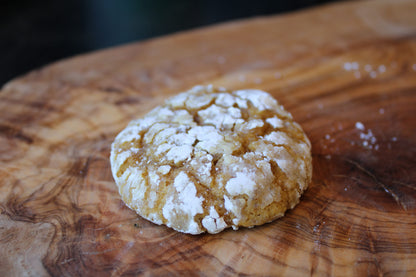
x: 208, y: 159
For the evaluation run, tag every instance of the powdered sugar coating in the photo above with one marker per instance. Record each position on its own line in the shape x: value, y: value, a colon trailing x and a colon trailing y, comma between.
x: 209, y: 159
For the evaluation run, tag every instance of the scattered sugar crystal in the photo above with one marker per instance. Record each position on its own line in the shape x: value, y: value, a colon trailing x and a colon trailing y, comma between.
x: 373, y: 74
x: 382, y: 68
x: 414, y: 66
x: 351, y: 66
x: 359, y: 125
x: 368, y: 138
x: 381, y: 111
x: 327, y: 136
x: 355, y: 65
x: 357, y: 74
x: 347, y: 66
x: 394, y: 139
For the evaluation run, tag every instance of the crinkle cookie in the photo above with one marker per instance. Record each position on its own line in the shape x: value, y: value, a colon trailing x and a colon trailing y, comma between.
x: 209, y: 159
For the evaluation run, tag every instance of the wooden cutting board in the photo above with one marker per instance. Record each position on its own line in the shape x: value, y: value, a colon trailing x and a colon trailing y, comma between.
x: 346, y: 72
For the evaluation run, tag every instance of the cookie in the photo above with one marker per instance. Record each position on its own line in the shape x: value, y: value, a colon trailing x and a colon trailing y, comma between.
x: 209, y: 159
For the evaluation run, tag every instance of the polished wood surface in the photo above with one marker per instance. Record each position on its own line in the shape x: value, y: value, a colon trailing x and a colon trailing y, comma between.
x: 346, y: 72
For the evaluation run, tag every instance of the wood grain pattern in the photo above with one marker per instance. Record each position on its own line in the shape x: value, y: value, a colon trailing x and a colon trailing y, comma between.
x: 331, y: 67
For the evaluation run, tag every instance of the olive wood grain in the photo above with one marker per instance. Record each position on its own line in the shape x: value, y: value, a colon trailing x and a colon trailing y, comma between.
x: 332, y: 67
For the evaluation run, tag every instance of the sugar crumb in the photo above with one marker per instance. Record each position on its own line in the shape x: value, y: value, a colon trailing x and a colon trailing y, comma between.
x: 382, y: 68
x: 368, y: 139
x: 359, y: 125
x: 347, y: 66
x: 355, y: 65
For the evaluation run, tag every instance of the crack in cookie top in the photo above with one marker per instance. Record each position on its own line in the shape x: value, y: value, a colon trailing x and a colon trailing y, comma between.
x: 209, y: 159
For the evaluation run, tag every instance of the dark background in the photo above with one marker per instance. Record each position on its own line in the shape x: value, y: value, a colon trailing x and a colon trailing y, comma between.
x: 34, y: 33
